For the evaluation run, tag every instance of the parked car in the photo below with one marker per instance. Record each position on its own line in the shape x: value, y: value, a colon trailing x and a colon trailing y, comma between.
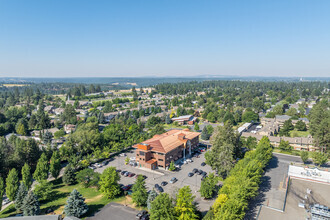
x: 126, y: 174
x: 118, y: 171
x: 140, y: 214
x: 173, y: 180
x: 122, y: 154
x: 203, y: 164
x: 156, y: 185
x: 189, y: 160
x: 200, y: 172
x: 123, y: 172
x: 145, y: 217
x: 160, y: 189
x: 190, y: 174
x: 164, y: 183
x: 131, y: 174
x: 195, y: 170
x: 91, y: 167
x: 204, y: 174
x: 128, y: 187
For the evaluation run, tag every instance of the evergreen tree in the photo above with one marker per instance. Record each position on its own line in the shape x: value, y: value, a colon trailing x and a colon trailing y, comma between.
x: 300, y: 126
x: 12, y: 184
x: 26, y: 176
x: 76, y: 205
x: 41, y: 172
x: 21, y: 194
x: 55, y: 164
x: 151, y: 197
x: 140, y: 194
x: 224, y: 148
x: 204, y: 135
x: 2, y: 190
x: 168, y: 119
x: 31, y: 205
x: 196, y: 127
x: 320, y: 124
x: 69, y: 176
x: 185, y: 208
x: 162, y: 208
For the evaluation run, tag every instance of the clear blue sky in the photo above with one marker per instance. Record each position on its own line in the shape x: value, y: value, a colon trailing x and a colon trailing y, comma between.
x: 62, y: 38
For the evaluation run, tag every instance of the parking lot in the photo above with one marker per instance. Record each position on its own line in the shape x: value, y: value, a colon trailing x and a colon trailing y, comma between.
x: 160, y: 175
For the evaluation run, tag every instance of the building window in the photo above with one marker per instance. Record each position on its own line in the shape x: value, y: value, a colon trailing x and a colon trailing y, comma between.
x: 160, y: 159
x: 141, y: 153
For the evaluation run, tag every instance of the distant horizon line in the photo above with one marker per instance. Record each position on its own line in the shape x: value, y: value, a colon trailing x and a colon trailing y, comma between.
x: 196, y: 76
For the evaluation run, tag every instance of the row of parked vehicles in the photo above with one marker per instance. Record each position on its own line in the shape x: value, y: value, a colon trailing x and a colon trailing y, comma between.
x: 197, y: 172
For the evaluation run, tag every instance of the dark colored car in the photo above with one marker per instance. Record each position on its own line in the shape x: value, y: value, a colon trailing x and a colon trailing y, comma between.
x: 140, y: 214
x: 131, y: 174
x: 204, y: 174
x: 126, y: 174
x: 145, y: 217
x: 118, y: 171
x: 160, y: 189
x: 200, y: 172
x: 190, y: 174
x: 195, y: 170
x: 128, y: 187
x: 123, y: 172
x: 164, y: 183
x: 156, y: 185
x: 203, y: 164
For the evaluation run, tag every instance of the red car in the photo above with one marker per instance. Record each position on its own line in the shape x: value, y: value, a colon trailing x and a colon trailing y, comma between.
x: 126, y: 188
x: 131, y: 174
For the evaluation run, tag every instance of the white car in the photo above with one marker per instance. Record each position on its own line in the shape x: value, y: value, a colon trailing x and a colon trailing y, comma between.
x: 122, y: 154
x: 189, y: 160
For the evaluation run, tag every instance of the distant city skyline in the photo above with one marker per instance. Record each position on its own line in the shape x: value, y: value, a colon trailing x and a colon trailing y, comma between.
x: 164, y: 38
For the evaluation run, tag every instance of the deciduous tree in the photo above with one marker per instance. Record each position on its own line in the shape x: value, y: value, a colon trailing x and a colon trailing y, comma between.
x: 109, y: 183
x: 26, y: 176
x: 140, y: 194
x: 162, y: 208
x: 41, y: 172
x: 55, y: 164
x: 185, y: 208
x: 12, y: 184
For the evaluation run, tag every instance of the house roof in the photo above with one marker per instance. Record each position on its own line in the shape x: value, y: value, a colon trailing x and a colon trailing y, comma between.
x: 168, y: 141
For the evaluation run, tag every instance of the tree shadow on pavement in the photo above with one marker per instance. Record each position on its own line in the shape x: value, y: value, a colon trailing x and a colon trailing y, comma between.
x: 264, y: 187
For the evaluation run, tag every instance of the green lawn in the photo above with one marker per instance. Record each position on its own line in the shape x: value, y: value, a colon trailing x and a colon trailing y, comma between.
x: 295, y: 133
x: 169, y: 126
x: 94, y: 200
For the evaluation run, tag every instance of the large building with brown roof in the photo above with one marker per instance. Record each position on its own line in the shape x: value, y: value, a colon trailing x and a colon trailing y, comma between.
x: 161, y: 149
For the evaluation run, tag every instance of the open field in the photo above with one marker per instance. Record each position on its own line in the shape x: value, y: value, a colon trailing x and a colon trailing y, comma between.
x: 14, y: 85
